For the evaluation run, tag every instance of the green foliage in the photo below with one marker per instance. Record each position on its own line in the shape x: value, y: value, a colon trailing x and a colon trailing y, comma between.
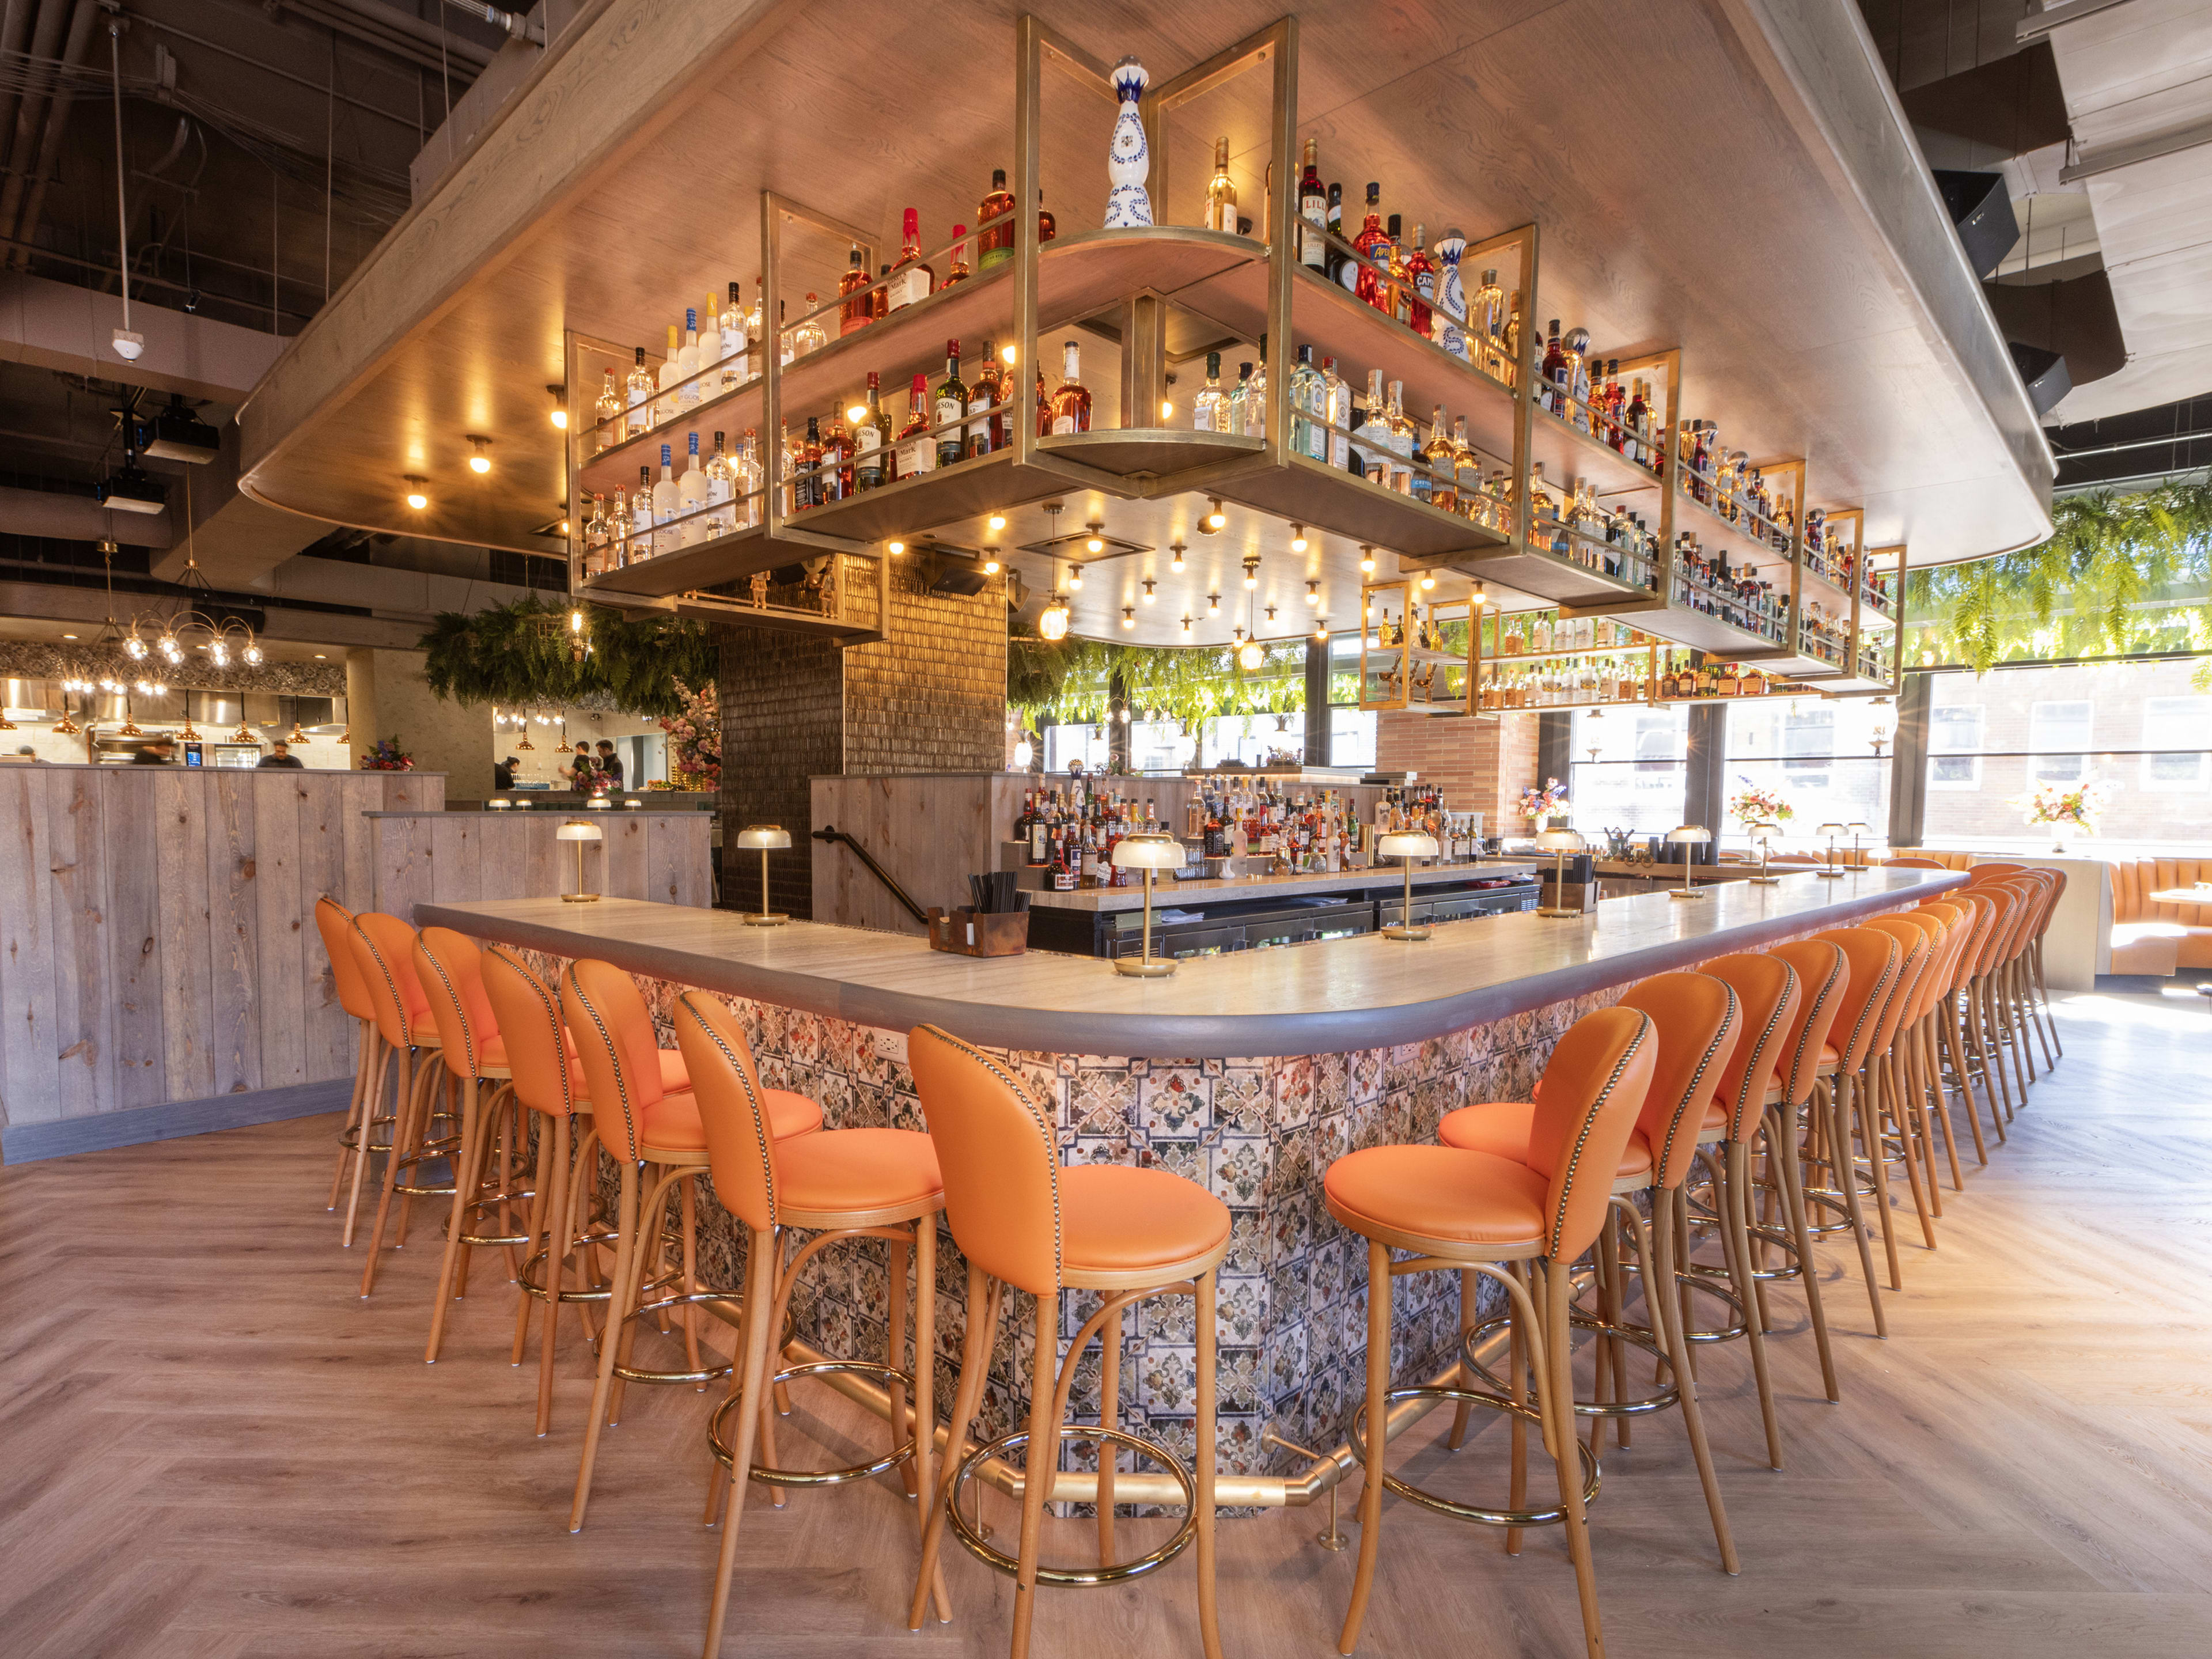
x: 2123, y: 575
x: 1073, y: 680
x: 525, y: 654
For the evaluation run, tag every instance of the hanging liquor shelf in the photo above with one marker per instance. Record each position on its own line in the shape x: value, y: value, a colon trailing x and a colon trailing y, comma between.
x: 1536, y: 661
x: 1416, y: 652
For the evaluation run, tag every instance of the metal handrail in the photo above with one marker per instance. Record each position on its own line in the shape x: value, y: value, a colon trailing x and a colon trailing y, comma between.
x: 833, y: 834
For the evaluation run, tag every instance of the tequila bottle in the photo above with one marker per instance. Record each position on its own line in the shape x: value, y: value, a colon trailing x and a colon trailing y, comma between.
x: 618, y: 528
x: 1452, y: 324
x: 1401, y: 282
x: 1209, y: 410
x: 609, y: 415
x: 1554, y: 381
x: 1466, y: 479
x: 721, y: 492
x: 1071, y: 404
x: 1578, y: 380
x: 1221, y: 191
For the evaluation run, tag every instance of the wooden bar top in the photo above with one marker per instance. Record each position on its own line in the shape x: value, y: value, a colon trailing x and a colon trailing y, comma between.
x: 1328, y: 997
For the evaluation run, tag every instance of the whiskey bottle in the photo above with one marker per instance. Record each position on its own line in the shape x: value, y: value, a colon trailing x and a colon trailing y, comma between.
x: 609, y: 416
x: 1313, y: 208
x: 880, y: 298
x: 1209, y: 410
x: 959, y: 273
x: 837, y: 475
x: 857, y: 311
x: 994, y: 241
x: 911, y: 279
x: 917, y: 450
x: 806, y: 486
x: 1071, y: 404
x: 952, y: 404
x: 1221, y: 191
x: 1047, y: 228
x: 986, y: 423
x: 871, y: 439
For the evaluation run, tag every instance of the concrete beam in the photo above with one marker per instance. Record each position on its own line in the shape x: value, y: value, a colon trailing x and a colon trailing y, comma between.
x: 415, y: 595
x: 78, y: 519
x: 56, y: 326
x: 49, y: 602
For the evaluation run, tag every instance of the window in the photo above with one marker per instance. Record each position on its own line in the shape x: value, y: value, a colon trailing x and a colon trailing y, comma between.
x: 2057, y: 736
x: 1659, y: 740
x: 1808, y: 738
x: 1954, y: 737
x: 2172, y: 724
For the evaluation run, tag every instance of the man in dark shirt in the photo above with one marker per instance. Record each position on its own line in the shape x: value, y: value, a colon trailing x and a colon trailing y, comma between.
x: 611, y: 764
x: 159, y: 752
x: 280, y: 754
x: 502, y: 773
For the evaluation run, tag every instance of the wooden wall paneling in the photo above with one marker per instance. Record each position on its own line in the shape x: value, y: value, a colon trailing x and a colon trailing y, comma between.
x: 362, y: 793
x: 180, y: 898
x: 402, y: 875
x: 131, y: 842
x: 232, y: 930
x: 456, y: 853
x: 675, y: 858
x: 501, y: 866
x: 30, y: 1088
x: 84, y: 1003
x: 623, y: 854
x: 543, y: 871
x: 288, y: 993
x: 326, y: 1032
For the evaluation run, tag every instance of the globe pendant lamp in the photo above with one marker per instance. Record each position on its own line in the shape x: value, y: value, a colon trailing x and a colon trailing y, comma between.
x: 1148, y: 852
x: 767, y: 837
x: 1407, y: 845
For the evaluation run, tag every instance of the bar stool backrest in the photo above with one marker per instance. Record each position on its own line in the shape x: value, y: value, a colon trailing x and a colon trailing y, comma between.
x: 1994, y: 870
x: 1914, y: 944
x: 528, y: 1011
x: 1960, y: 922
x: 1699, y: 1022
x: 384, y: 952
x: 335, y: 923
x: 740, y: 1141
x: 616, y: 1043
x: 1766, y: 990
x: 449, y: 968
x: 1596, y: 1083
x: 994, y: 1147
x: 1871, y: 958
x: 1917, y: 863
x: 1823, y: 976
x: 2003, y: 905
x: 1931, y: 970
x: 2017, y: 924
x: 1981, y: 916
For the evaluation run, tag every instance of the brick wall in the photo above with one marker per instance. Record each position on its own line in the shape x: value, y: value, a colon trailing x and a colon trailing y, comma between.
x: 931, y: 697
x: 1481, y: 764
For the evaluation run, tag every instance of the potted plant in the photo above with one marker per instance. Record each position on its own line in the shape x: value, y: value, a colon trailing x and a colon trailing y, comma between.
x: 388, y: 756
x: 1539, y: 805
x: 2062, y: 808
x: 1753, y: 805
x: 694, y: 740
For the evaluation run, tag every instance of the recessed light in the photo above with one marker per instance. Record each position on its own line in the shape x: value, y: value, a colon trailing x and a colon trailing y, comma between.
x: 479, y: 461
x: 1297, y: 538
x: 895, y: 548
x: 322, y: 656
x: 998, y: 521
x: 416, y: 498
x: 69, y: 636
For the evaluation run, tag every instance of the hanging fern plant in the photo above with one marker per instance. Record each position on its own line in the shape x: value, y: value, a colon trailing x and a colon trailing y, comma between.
x: 2123, y: 575
x: 1073, y: 680
x: 528, y: 653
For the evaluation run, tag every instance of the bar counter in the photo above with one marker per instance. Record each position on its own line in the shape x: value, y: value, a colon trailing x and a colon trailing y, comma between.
x: 1250, y: 1073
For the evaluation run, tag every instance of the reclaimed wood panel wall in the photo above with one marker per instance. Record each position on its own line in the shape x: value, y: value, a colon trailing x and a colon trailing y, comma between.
x: 157, y: 935
x: 424, y: 858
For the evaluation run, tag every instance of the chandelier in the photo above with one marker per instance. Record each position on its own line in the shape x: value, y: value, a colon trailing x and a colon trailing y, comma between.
x: 196, y: 623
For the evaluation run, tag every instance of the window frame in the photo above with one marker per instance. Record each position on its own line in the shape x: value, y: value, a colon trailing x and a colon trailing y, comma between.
x: 1973, y: 779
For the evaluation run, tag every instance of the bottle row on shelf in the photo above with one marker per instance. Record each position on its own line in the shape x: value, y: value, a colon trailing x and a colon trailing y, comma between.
x: 1724, y: 480
x: 1539, y: 633
x: 1624, y: 418
x: 1573, y: 524
x: 1834, y: 559
x: 1735, y: 593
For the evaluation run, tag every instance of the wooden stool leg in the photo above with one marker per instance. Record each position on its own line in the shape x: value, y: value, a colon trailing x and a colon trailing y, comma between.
x: 355, y: 1113
x: 1462, y: 1411
x: 1370, y: 1495
x: 402, y: 1140
x: 556, y: 1274
x: 1836, y: 1103
x: 626, y: 1252
x: 688, y: 1204
x: 1611, y: 1347
x: 1791, y: 1173
x: 1109, y: 1417
x: 1677, y: 1343
x: 379, y: 1068
x: 1735, y: 1211
x: 1557, y: 1402
x: 925, y: 1398
x: 1948, y: 1036
x: 464, y: 1161
x: 1898, y: 1110
x: 984, y: 1299
x: 753, y: 1365
x: 1209, y: 1625
x: 534, y: 1222
x: 1043, y: 1458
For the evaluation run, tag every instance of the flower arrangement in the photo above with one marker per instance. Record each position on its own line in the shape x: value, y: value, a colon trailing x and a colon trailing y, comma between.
x: 695, y: 738
x: 388, y: 756
x: 1538, y: 804
x: 2063, y: 808
x: 1756, y: 806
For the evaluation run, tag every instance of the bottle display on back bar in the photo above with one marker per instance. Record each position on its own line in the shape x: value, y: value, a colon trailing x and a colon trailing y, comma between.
x: 1373, y: 246
x: 1071, y: 404
x: 692, y: 498
x: 667, y: 503
x: 1313, y: 208
x: 952, y: 407
x: 1209, y: 410
x: 917, y: 450
x: 607, y: 416
x: 1221, y: 191
x: 911, y: 279
x: 857, y: 311
x: 994, y: 229
x: 871, y: 439
x: 986, y: 430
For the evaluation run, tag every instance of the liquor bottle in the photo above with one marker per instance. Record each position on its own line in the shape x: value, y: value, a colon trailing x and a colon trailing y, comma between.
x: 1578, y: 380
x: 732, y: 326
x: 687, y: 364
x: 710, y: 351
x: 1044, y: 402
x: 1371, y: 443
x: 1221, y: 191
x: 951, y: 406
x: 987, y: 424
x: 1420, y: 484
x: 754, y: 335
x: 609, y: 416
x: 1555, y: 379
x: 1336, y: 404
x: 1255, y: 396
x: 880, y: 298
x: 722, y: 491
x: 1370, y: 243
x: 1313, y: 208
x: 619, y: 529
x: 640, y: 514
x: 788, y: 459
x: 691, y: 499
x: 808, y: 335
x: 1467, y: 480
x: 1401, y: 281
x: 871, y: 439
x: 809, y: 487
x: 911, y: 279
x: 1239, y: 396
x: 917, y: 451
x: 1309, y: 402
x: 959, y: 256
x: 748, y: 500
x: 836, y: 478
x: 1337, y: 263
x: 639, y: 388
x: 597, y: 536
x: 994, y: 241
x: 664, y: 403
x: 1401, y: 440
x: 857, y: 311
x: 1071, y: 404
x: 1439, y: 486
x: 667, y: 503
x: 1047, y: 228
x: 1209, y: 410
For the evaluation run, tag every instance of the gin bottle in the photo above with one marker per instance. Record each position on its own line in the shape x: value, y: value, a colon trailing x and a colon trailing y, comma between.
x: 1308, y: 408
x: 1209, y: 410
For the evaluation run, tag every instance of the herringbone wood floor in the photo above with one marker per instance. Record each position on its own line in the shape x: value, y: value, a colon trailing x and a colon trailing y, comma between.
x: 210, y: 1448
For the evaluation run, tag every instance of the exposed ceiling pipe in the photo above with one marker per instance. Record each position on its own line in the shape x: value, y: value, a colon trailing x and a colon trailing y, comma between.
x: 51, y: 18
x: 76, y: 52
x: 14, y: 29
x: 389, y: 29
x: 518, y: 26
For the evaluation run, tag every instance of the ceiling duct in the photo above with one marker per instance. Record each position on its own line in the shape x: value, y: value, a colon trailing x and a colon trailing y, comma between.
x: 2076, y: 318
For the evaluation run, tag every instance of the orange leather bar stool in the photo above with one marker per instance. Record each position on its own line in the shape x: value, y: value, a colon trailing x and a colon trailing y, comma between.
x: 1888, y: 1117
x: 845, y: 1183
x: 1461, y: 1211
x: 1769, y: 997
x: 449, y: 968
x: 1026, y: 1222
x: 1697, y: 1025
x: 335, y: 923
x: 2025, y: 966
x: 1916, y: 1051
x: 651, y: 1131
x: 1982, y: 1044
x: 1871, y: 959
x: 384, y: 951
x: 2057, y: 881
x: 1954, y: 1022
x: 1961, y: 924
x: 1996, y: 977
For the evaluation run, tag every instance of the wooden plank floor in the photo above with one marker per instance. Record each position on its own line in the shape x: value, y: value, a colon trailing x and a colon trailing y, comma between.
x: 211, y: 1449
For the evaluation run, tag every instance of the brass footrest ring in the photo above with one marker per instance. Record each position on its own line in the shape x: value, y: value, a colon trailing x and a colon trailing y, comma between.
x: 641, y: 1373
x: 883, y: 1374
x: 1533, y: 1517
x: 537, y: 1287
x: 519, y: 1196
x: 971, y: 1534
x: 1638, y: 1335
x: 1697, y: 1280
x: 349, y: 1137
x: 427, y: 1152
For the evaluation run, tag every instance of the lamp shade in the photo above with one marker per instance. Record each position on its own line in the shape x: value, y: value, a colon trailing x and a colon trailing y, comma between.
x: 1148, y: 852
x: 763, y: 836
x: 1766, y: 829
x: 577, y: 830
x: 1561, y: 841
x: 1832, y: 829
x: 1689, y: 832
x: 1856, y: 829
x: 1406, y: 844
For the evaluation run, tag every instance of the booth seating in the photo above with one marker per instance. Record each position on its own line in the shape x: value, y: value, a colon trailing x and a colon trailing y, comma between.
x: 2159, y: 939
x: 1932, y: 857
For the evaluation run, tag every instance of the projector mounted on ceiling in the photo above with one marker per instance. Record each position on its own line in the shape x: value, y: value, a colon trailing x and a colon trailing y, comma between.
x: 178, y: 435
x: 129, y: 490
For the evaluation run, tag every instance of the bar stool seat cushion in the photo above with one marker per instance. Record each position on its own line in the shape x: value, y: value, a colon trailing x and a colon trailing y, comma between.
x: 1503, y: 1127
x: 422, y: 1032
x: 846, y: 1170
x: 672, y: 1122
x: 1115, y: 1220
x: 1440, y: 1192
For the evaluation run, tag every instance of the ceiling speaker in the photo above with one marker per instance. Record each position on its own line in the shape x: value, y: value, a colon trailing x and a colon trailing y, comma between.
x: 1983, y: 214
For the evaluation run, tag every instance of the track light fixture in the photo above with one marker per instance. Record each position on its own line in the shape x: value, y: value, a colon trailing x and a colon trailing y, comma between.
x: 1128, y: 616
x: 1251, y: 574
x: 1175, y: 557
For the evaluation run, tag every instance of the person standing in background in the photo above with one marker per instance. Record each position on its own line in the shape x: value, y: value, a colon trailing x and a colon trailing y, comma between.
x: 610, y: 764
x: 582, y: 772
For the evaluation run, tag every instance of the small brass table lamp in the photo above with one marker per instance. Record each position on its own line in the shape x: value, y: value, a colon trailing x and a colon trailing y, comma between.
x: 1560, y: 842
x: 1687, y: 836
x: 1408, y: 845
x: 769, y: 837
x: 1147, y: 852
x: 580, y: 831
x: 1828, y: 871
x: 1855, y: 831
x: 1765, y: 833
